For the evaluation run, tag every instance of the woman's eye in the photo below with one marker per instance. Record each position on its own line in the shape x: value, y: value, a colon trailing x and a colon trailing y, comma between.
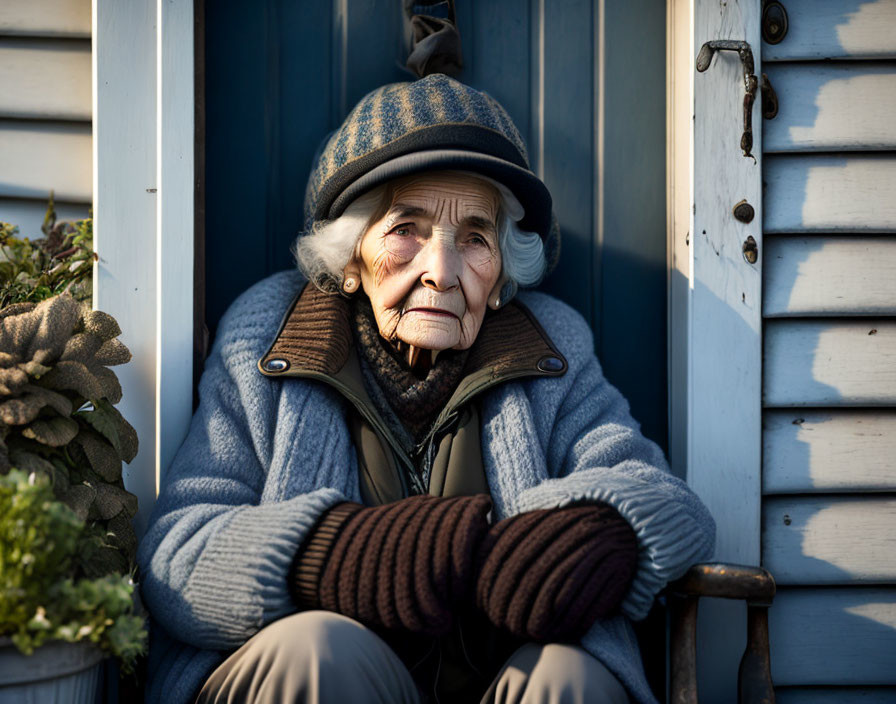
x: 478, y: 239
x: 402, y: 230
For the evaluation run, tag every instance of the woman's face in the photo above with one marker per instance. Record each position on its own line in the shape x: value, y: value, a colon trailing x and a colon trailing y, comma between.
x: 431, y: 264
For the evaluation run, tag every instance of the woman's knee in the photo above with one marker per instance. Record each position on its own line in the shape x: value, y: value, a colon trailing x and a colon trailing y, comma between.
x: 557, y: 673
x: 313, y: 656
x: 317, y: 634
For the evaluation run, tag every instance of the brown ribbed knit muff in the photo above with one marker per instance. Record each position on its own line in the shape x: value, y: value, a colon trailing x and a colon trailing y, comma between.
x: 404, y: 565
x: 548, y: 575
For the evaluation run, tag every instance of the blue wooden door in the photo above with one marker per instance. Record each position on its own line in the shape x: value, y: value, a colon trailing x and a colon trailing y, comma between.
x: 584, y: 81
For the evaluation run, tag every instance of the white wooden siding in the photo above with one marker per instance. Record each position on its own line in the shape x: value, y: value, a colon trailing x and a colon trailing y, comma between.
x: 838, y: 636
x: 839, y: 695
x: 45, y: 18
x: 829, y: 539
x: 46, y: 156
x: 809, y: 450
x: 45, y: 110
x: 849, y: 275
x: 829, y: 297
x: 830, y: 363
x: 827, y: 107
x: 836, y: 29
x: 45, y: 79
x: 830, y: 193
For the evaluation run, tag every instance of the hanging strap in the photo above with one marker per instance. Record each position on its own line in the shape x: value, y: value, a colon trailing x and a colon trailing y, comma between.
x: 435, y: 46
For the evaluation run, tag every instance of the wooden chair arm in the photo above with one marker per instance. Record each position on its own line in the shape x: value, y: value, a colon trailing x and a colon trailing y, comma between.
x: 718, y: 579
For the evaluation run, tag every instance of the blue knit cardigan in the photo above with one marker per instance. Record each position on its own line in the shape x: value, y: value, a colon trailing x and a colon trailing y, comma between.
x: 264, y: 457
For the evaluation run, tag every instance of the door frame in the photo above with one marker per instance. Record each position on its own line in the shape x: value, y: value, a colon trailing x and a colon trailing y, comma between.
x: 143, y: 210
x: 715, y: 321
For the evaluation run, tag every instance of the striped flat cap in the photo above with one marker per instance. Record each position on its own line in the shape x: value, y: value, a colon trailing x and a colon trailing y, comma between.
x: 432, y: 123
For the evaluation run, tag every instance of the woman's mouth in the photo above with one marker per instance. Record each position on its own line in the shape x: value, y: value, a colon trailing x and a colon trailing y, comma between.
x: 438, y: 312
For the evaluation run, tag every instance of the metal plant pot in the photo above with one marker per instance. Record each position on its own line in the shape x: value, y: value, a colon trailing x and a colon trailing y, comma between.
x: 55, y: 673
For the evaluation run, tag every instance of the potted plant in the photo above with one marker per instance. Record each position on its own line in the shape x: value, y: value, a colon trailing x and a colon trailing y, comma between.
x: 56, y: 623
x: 68, y: 548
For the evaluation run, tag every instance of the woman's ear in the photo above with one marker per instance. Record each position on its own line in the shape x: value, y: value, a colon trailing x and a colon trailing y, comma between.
x: 503, y: 291
x: 351, y: 278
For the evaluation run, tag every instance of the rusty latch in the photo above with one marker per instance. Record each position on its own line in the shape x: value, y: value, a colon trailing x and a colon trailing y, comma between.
x: 751, y: 83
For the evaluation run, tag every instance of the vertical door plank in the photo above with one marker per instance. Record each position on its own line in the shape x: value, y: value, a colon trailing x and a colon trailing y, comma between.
x: 564, y: 143
x: 374, y: 50
x: 237, y: 152
x: 629, y: 255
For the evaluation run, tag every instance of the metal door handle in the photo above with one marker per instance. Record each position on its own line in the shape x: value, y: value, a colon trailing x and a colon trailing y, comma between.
x: 751, y: 83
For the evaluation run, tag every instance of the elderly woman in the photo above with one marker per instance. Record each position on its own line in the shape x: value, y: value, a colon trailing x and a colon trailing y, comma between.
x: 419, y: 487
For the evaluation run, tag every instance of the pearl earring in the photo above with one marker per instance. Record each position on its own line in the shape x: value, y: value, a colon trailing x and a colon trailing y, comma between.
x: 350, y: 284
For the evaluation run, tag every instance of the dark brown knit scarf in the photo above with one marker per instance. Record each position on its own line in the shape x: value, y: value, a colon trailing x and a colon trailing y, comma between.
x: 417, y: 402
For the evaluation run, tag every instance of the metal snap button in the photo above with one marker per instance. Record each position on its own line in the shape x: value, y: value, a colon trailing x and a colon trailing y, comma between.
x: 550, y: 364
x: 276, y: 365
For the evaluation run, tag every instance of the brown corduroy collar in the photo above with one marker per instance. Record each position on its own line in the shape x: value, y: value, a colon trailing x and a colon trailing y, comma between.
x: 315, y: 339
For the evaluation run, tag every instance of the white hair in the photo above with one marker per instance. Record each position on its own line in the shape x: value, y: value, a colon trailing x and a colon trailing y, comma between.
x: 323, y: 253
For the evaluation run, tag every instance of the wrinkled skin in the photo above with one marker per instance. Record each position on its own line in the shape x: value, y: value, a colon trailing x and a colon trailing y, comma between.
x: 432, y: 264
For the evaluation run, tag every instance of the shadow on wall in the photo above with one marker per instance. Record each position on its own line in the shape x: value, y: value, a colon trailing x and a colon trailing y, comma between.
x: 830, y: 635
x: 831, y: 104
x: 631, y: 339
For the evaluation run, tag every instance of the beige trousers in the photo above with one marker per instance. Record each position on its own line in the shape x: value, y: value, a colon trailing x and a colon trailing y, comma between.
x: 320, y: 657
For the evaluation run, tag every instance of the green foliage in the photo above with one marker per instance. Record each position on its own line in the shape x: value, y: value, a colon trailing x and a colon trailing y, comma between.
x: 48, y: 590
x: 57, y: 417
x: 67, y: 546
x: 61, y: 261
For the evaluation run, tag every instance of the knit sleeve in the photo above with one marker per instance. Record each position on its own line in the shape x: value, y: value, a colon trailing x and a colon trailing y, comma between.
x: 594, y: 451
x: 215, y: 558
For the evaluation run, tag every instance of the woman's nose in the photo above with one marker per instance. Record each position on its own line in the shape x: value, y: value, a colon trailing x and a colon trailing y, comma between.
x: 442, y: 265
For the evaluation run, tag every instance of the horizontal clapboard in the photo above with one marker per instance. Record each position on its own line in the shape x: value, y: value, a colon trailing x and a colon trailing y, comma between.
x: 829, y: 276
x: 828, y: 450
x: 836, y: 29
x: 46, y: 156
x: 45, y: 79
x: 829, y: 539
x: 29, y: 214
x: 833, y: 636
x: 828, y: 107
x: 828, y: 193
x: 48, y: 18
x: 829, y: 363
x: 837, y: 695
